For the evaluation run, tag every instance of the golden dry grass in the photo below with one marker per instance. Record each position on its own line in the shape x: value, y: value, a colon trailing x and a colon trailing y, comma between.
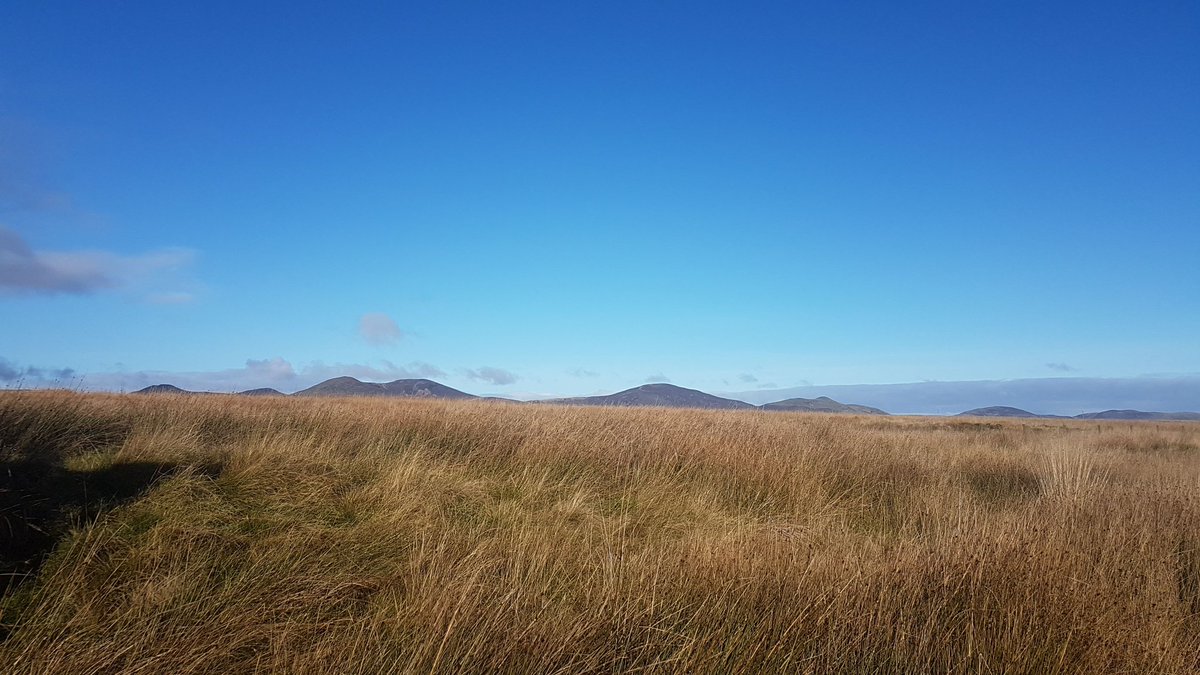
x: 397, y: 536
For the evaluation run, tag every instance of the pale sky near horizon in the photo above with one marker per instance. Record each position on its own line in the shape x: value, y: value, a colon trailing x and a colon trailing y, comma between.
x: 572, y: 198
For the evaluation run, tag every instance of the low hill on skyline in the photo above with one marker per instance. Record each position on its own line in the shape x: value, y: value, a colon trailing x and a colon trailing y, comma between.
x: 659, y: 395
x: 349, y: 386
x: 1139, y: 415
x: 997, y: 411
x: 1126, y: 415
x: 821, y: 404
x: 164, y: 389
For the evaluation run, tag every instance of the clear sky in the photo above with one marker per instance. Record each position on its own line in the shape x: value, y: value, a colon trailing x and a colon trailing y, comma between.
x: 576, y: 197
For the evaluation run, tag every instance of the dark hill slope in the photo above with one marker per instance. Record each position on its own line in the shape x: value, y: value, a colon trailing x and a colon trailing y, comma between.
x: 997, y: 411
x: 349, y: 386
x: 822, y: 404
x: 163, y: 389
x: 659, y: 395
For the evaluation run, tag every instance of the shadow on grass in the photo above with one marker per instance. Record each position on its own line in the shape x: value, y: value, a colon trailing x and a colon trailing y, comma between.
x: 40, y: 500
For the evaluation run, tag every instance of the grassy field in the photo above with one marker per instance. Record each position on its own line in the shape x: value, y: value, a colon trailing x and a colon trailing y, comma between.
x: 215, y: 534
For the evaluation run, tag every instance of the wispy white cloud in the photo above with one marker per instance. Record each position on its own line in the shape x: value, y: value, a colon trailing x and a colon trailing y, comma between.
x: 11, y: 372
x: 277, y: 373
x: 378, y: 329
x: 414, y: 369
x: 385, y: 371
x: 1062, y: 367
x: 657, y: 378
x: 497, y: 376
x: 24, y: 270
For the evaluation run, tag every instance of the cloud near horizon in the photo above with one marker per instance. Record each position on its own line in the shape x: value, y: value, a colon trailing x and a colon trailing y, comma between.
x: 276, y: 373
x: 379, y: 330
x: 11, y: 372
x: 319, y: 371
x: 657, y: 378
x: 24, y: 270
x: 496, y: 376
x: 1046, y: 396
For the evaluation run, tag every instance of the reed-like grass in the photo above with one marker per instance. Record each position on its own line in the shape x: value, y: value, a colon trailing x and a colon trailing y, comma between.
x: 397, y: 536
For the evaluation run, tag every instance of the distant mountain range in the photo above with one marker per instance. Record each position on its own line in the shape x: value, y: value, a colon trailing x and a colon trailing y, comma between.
x: 1138, y: 415
x: 1006, y: 411
x: 657, y: 395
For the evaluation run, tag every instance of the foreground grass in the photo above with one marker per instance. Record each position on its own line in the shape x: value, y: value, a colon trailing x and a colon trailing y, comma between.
x: 381, y: 536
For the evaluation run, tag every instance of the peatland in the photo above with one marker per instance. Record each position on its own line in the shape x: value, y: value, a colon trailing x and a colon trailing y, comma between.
x: 214, y: 534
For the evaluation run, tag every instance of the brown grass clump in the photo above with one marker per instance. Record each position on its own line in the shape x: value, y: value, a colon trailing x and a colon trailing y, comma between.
x: 214, y: 534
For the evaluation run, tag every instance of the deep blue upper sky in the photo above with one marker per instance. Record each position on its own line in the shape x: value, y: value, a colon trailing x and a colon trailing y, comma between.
x: 563, y: 198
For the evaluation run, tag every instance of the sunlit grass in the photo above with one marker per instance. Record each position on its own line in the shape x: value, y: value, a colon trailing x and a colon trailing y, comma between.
x: 414, y: 536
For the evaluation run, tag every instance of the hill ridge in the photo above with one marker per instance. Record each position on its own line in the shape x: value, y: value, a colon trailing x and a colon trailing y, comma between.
x: 411, y: 387
x: 658, y: 394
x: 655, y: 394
x: 821, y: 404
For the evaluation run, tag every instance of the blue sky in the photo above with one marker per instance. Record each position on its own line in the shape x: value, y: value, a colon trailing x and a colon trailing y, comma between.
x: 567, y: 198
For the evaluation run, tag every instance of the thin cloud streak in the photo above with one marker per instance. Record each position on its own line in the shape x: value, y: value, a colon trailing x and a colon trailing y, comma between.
x: 11, y: 372
x: 24, y: 270
x: 379, y: 330
x: 276, y: 373
x: 496, y: 376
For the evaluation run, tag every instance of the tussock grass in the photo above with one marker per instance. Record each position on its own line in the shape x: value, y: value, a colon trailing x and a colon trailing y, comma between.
x: 396, y: 536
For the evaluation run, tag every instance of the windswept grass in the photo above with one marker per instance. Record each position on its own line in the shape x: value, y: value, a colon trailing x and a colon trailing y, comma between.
x: 396, y: 536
